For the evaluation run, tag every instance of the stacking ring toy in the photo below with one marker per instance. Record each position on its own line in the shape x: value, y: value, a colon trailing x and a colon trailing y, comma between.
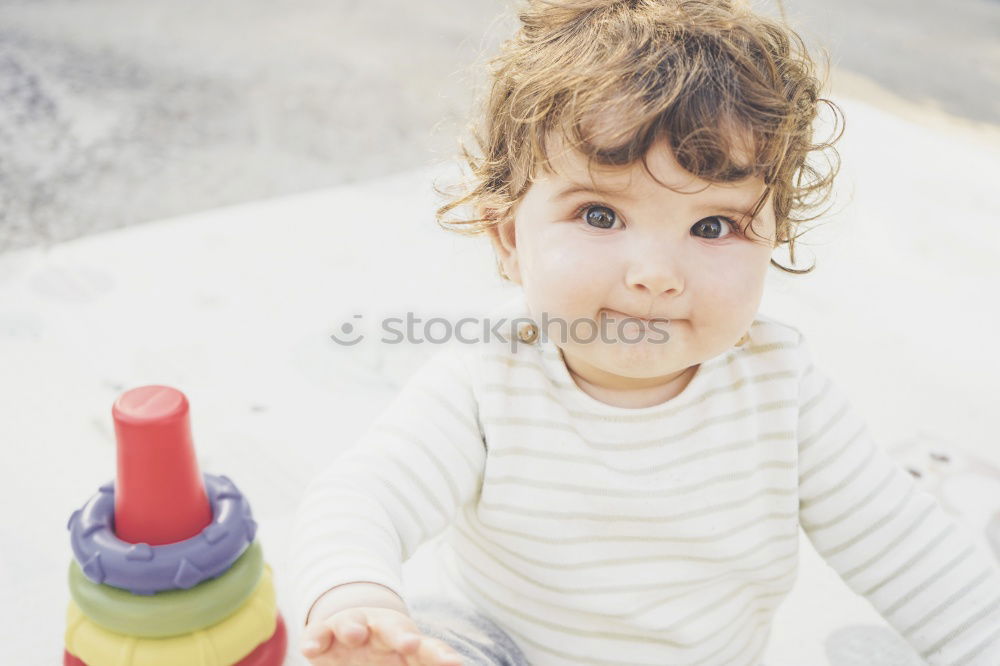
x: 144, y: 569
x: 173, y: 612
x: 222, y: 644
x: 270, y: 653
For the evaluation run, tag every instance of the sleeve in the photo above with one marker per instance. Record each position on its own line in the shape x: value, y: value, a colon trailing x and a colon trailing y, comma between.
x: 399, y: 485
x: 887, y: 538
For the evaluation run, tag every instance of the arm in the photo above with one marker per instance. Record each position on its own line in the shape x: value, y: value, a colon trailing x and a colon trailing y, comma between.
x: 395, y: 488
x: 352, y: 595
x: 889, y: 540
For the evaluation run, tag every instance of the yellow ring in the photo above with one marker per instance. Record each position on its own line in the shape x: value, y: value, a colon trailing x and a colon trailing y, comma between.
x: 221, y: 644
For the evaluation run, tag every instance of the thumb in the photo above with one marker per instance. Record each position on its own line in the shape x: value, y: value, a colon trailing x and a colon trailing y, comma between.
x: 316, y: 639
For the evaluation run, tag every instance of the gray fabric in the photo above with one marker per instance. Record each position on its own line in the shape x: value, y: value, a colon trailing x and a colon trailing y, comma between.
x: 473, y: 635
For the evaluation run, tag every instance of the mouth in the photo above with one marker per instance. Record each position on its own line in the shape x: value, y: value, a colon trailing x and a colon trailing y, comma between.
x: 624, y: 315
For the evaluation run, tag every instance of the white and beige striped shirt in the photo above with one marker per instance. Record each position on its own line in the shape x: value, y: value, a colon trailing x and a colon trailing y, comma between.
x: 609, y: 536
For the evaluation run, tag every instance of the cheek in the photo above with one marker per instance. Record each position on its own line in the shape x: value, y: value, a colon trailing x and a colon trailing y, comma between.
x: 566, y: 264
x: 734, y: 284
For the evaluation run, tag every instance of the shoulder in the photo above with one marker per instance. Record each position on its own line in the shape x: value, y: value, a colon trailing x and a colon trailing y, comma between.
x: 797, y: 358
x: 483, y: 344
x: 767, y: 329
x: 777, y: 343
x: 496, y: 337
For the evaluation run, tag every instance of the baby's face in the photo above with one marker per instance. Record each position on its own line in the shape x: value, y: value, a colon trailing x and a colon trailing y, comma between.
x: 641, y: 250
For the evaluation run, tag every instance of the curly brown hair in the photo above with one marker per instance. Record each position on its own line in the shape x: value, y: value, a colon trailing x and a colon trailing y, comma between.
x: 689, y: 71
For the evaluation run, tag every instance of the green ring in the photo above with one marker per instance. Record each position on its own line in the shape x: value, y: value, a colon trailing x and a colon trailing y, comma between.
x: 172, y: 612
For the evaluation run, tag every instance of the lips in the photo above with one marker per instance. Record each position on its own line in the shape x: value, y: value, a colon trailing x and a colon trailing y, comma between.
x: 625, y: 315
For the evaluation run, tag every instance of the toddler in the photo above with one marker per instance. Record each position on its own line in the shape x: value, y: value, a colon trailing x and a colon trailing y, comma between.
x: 621, y: 479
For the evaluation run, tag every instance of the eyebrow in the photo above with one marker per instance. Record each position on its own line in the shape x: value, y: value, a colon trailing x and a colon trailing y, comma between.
x: 726, y: 207
x: 573, y: 189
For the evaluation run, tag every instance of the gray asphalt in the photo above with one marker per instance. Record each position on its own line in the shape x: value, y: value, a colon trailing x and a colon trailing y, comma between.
x: 944, y: 53
x: 114, y: 113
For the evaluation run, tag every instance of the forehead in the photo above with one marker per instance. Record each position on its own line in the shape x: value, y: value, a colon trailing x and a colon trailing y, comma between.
x: 570, y: 166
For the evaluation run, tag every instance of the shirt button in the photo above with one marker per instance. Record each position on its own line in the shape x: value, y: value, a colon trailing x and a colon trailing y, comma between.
x: 527, y: 333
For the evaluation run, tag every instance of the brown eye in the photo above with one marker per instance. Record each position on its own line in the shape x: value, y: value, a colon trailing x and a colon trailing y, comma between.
x: 600, y: 217
x: 715, y: 225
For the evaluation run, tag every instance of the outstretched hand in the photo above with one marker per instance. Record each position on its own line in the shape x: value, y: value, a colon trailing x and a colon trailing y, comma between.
x: 371, y: 636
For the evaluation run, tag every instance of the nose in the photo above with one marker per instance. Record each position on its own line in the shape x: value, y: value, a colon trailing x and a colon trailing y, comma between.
x: 654, y: 267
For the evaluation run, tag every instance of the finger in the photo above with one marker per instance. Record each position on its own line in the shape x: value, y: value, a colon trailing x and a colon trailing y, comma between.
x: 439, y: 653
x: 399, y: 637
x: 316, y: 639
x: 351, y: 627
x: 406, y: 642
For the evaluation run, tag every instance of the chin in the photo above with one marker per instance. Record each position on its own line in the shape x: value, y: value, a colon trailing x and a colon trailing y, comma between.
x: 643, y: 360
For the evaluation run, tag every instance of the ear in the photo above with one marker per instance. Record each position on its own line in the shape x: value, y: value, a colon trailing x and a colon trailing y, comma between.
x: 502, y: 235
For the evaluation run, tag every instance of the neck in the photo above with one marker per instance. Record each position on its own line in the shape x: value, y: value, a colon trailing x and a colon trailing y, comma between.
x: 626, y: 391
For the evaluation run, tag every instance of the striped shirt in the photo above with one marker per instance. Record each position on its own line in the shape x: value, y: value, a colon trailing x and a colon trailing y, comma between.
x: 610, y: 536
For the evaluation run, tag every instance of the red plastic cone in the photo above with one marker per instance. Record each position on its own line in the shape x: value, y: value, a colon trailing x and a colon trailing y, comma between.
x: 159, y: 494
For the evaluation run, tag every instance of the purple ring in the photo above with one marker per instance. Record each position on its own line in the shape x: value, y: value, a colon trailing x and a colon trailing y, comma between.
x: 144, y: 569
